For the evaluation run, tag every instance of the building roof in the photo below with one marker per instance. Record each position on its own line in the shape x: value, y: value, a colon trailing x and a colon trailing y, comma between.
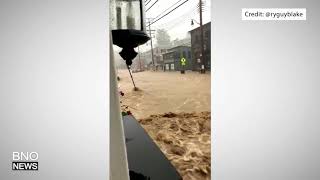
x: 176, y: 47
x: 154, y: 49
x: 207, y: 24
x: 172, y: 49
x: 168, y: 52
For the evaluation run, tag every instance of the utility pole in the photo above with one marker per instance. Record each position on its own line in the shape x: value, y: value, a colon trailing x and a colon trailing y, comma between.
x: 201, y: 38
x: 151, y: 44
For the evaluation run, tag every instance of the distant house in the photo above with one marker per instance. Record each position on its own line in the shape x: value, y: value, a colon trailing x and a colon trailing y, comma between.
x: 182, y: 42
x: 138, y: 64
x: 172, y: 59
x: 157, y: 56
x: 196, y: 47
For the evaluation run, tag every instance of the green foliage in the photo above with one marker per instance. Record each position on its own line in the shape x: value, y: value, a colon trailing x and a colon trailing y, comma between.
x: 163, y: 38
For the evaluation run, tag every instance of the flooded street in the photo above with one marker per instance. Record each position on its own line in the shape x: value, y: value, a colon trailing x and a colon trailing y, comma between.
x: 162, y: 92
x: 174, y: 109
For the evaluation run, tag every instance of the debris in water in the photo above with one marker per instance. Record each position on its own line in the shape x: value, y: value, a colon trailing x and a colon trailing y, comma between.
x: 185, y: 140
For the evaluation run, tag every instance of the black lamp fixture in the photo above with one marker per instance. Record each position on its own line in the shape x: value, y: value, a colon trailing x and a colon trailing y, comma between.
x: 192, y: 22
x: 128, y: 27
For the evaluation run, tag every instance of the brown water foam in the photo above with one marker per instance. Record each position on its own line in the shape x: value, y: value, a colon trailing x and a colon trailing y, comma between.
x: 185, y: 140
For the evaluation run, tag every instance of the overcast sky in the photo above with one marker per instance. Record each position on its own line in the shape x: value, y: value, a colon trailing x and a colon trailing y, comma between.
x: 178, y: 22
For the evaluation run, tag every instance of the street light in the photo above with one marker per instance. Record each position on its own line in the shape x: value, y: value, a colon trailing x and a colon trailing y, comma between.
x: 128, y: 26
x: 192, y: 23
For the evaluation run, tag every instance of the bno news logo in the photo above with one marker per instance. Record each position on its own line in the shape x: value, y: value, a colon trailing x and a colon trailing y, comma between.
x: 25, y: 161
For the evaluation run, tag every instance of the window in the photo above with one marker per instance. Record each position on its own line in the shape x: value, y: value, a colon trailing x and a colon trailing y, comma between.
x: 177, y: 55
x: 184, y: 54
x: 189, y: 54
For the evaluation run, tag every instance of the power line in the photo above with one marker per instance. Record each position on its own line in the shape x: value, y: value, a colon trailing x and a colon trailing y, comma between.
x: 181, y: 19
x: 168, y: 8
x: 152, y: 5
x: 168, y: 12
x: 147, y: 2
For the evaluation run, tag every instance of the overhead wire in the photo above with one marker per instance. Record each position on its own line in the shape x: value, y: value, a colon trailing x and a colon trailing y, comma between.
x: 181, y: 19
x: 168, y: 8
x: 204, y: 4
x: 152, y: 5
x: 168, y: 12
x: 147, y: 2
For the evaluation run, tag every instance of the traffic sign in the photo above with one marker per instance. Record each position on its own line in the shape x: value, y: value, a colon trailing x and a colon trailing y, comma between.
x: 183, y: 61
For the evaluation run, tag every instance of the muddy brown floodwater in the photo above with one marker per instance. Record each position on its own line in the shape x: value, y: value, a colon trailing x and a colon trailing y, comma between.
x: 174, y: 109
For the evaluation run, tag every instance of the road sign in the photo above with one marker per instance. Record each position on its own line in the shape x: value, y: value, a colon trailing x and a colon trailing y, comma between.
x: 183, y: 61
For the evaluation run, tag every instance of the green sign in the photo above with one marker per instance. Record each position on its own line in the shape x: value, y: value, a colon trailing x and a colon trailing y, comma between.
x: 183, y: 61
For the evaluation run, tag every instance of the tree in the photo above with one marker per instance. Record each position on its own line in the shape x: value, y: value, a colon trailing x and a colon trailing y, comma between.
x: 175, y: 42
x: 163, y: 38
